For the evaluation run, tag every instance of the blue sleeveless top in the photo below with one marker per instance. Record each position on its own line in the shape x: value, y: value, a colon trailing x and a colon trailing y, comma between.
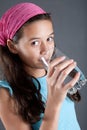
x: 67, y: 120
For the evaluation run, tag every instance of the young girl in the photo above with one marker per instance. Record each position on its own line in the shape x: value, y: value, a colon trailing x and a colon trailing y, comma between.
x: 32, y: 98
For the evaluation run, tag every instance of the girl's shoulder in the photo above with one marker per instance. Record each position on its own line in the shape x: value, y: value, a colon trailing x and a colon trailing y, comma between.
x: 4, y: 84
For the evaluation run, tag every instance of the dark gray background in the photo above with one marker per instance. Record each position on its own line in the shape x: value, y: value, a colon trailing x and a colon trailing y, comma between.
x: 70, y: 24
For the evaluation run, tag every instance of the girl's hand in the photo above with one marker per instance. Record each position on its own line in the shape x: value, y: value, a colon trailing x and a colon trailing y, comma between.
x: 58, y: 71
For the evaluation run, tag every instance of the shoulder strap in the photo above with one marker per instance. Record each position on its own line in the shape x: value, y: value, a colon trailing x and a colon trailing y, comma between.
x: 5, y: 84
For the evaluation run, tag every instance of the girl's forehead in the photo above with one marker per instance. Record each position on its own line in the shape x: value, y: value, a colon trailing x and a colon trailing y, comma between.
x: 39, y: 27
x: 37, y: 30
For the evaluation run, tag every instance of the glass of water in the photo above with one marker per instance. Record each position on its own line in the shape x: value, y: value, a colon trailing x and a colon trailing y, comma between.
x: 82, y: 80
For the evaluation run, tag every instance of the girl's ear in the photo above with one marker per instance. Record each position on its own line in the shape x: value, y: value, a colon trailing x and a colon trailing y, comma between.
x: 11, y: 46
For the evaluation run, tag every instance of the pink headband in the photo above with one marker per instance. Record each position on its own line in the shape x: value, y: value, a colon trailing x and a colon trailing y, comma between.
x: 15, y: 17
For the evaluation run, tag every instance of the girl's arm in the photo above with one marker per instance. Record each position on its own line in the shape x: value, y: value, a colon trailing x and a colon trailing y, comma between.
x: 10, y: 119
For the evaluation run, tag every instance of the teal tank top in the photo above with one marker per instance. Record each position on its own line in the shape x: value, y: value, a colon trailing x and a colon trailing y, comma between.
x: 67, y: 120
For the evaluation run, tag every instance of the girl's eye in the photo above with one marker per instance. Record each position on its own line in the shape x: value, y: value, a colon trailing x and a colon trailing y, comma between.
x: 50, y: 39
x: 35, y: 43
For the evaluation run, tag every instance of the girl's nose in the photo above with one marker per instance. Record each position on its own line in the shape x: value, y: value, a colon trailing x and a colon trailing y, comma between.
x: 44, y: 49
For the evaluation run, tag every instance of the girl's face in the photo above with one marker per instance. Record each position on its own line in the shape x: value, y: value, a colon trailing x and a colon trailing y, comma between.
x: 37, y: 41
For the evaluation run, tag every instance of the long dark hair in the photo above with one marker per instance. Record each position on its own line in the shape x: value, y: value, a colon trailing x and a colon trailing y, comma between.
x: 26, y: 95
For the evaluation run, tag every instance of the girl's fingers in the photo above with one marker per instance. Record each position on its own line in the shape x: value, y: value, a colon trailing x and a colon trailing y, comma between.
x: 53, y: 64
x: 57, y: 61
x: 58, y: 70
x: 63, y: 75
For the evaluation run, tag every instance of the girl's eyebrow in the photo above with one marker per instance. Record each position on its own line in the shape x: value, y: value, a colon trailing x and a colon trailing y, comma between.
x: 51, y: 33
x: 36, y: 38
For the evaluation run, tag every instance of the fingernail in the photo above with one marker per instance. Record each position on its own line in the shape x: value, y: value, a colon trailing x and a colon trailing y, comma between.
x: 75, y: 63
x: 63, y: 57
